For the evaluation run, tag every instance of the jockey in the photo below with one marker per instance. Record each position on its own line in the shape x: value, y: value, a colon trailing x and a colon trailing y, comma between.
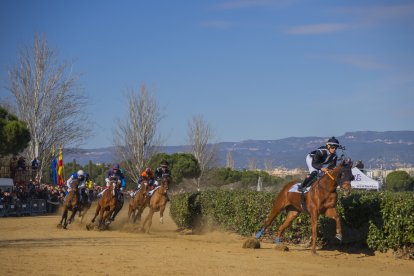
x: 114, y: 172
x: 118, y: 173
x: 80, y: 177
x: 149, y: 176
x: 321, y: 159
x: 162, y: 170
x: 88, y: 182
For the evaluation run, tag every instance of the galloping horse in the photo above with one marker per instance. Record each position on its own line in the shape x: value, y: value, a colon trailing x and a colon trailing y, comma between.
x: 321, y: 199
x: 107, y: 203
x: 157, y: 203
x: 138, y: 203
x: 70, y: 204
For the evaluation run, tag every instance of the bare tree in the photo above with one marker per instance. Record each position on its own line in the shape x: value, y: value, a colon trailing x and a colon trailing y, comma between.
x: 268, y: 164
x: 252, y: 164
x: 48, y: 99
x: 229, y: 160
x: 199, y: 135
x: 136, y: 137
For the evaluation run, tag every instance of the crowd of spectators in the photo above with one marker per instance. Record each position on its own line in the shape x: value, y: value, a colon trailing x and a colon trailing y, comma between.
x: 53, y: 194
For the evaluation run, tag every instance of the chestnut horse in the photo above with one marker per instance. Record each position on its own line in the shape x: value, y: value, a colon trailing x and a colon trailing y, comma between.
x: 70, y: 204
x: 321, y: 199
x: 107, y: 203
x: 138, y: 203
x: 157, y: 203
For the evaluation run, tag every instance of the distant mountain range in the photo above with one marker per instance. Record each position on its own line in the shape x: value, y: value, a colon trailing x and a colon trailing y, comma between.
x: 389, y: 149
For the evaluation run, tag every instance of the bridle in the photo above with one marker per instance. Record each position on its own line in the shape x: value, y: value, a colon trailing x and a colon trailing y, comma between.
x: 338, y: 180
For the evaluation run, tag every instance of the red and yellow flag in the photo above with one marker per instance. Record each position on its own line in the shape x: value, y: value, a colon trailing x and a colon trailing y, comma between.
x: 60, y: 167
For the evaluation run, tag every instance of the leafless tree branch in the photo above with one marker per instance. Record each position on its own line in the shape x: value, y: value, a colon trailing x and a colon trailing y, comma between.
x: 199, y: 135
x: 48, y: 99
x: 136, y: 137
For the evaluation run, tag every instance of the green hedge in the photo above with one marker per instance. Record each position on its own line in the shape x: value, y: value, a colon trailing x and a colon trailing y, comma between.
x: 379, y: 220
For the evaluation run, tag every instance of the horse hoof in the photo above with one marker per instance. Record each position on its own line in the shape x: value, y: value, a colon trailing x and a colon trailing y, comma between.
x: 277, y: 241
x: 59, y: 226
x: 161, y: 220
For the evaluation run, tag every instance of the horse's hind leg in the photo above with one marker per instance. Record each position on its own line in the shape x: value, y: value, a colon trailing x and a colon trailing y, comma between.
x: 290, y: 217
x: 331, y: 213
x: 277, y: 207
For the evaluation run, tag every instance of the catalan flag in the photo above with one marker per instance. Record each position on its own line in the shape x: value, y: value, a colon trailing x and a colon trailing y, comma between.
x: 60, y: 168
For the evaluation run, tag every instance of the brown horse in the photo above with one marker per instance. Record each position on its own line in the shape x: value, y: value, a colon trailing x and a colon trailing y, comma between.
x: 106, y: 204
x: 157, y: 203
x: 71, y: 203
x: 138, y: 203
x: 321, y: 199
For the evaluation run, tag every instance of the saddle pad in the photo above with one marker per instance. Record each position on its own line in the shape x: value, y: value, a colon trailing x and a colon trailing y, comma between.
x: 151, y: 192
x: 294, y: 189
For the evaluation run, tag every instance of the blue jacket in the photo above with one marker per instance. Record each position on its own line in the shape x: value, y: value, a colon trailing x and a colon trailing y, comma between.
x: 118, y: 175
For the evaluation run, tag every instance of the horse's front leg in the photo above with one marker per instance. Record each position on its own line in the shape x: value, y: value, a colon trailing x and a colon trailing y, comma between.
x: 162, y: 208
x: 333, y: 214
x: 63, y: 219
x: 109, y: 213
x: 314, y: 223
x: 73, y: 215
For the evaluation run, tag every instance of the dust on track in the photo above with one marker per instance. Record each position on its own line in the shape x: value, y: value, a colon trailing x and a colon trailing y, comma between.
x: 33, y: 245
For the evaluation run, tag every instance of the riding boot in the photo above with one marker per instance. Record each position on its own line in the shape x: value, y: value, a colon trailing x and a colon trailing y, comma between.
x: 307, y: 181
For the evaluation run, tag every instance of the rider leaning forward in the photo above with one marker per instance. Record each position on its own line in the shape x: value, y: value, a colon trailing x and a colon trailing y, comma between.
x: 153, y: 178
x: 80, y: 177
x: 321, y: 159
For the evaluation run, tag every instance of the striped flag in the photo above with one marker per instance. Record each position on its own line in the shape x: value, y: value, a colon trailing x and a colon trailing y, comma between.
x: 60, y: 167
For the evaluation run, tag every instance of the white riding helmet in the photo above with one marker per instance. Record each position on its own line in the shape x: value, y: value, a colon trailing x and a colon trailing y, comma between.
x: 81, y: 173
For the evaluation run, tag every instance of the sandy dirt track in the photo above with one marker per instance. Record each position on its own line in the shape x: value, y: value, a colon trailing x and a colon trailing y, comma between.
x: 34, y: 246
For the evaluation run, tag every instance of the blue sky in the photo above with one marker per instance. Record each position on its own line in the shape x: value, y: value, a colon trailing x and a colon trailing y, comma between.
x: 253, y: 69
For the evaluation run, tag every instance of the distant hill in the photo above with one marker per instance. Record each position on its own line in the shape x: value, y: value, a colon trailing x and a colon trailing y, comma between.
x: 390, y: 149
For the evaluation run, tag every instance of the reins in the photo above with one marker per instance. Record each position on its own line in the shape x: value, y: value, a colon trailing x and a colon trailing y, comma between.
x: 331, y: 177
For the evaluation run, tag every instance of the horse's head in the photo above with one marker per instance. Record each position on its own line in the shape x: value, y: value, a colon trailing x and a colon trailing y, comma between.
x: 74, y: 185
x: 345, y: 176
x: 165, y: 182
x: 114, y: 182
